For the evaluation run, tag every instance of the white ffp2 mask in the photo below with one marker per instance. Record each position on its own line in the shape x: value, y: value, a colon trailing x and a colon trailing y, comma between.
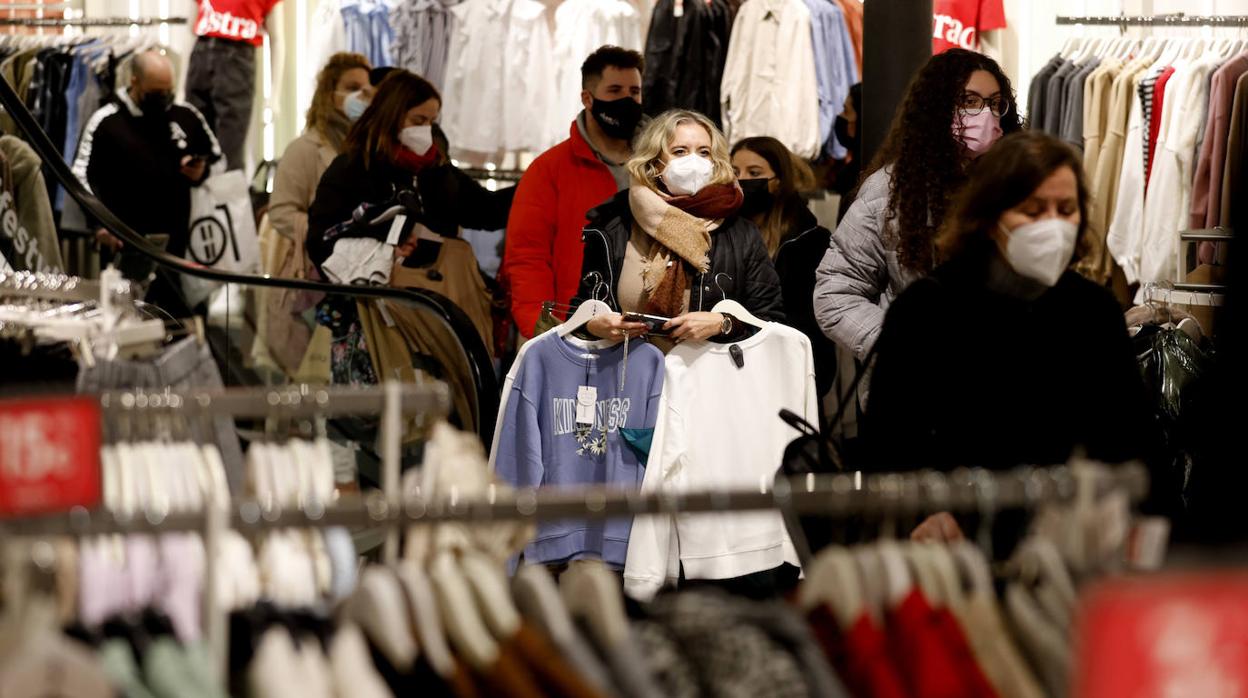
x: 418, y: 139
x: 687, y: 174
x: 1041, y: 250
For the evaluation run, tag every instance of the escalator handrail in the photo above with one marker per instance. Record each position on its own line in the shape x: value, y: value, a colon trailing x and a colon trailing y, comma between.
x: 479, y: 361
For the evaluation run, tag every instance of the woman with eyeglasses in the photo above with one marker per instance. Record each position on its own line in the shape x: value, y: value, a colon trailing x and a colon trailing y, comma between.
x: 956, y: 107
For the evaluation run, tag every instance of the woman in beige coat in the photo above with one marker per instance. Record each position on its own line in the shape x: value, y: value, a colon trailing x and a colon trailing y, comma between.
x: 342, y: 88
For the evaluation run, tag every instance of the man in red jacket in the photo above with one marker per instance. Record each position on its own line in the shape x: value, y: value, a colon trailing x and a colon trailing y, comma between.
x: 542, y: 257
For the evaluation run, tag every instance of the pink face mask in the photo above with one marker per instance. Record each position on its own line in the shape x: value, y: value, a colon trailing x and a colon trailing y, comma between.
x: 977, y: 132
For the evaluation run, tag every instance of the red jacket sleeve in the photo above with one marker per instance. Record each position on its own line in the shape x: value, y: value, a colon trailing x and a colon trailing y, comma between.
x: 529, y: 251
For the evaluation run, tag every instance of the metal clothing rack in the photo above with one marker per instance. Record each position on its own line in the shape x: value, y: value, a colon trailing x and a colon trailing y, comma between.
x: 89, y: 22
x: 1178, y: 19
x: 833, y: 496
x: 497, y: 175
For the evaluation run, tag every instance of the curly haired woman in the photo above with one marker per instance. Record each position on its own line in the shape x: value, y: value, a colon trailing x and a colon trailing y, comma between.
x: 956, y: 107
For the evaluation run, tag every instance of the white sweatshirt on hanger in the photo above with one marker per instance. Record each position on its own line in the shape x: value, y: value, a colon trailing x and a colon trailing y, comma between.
x: 719, y: 428
x: 1174, y: 164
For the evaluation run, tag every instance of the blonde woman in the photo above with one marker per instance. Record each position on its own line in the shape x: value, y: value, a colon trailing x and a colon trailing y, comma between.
x: 342, y: 88
x: 673, y: 245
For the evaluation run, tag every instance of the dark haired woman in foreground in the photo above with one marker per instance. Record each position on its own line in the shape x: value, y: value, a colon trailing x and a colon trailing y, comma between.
x: 1003, y: 357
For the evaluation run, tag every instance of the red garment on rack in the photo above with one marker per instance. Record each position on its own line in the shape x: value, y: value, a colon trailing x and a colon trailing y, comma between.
x: 955, y: 639
x: 1154, y: 123
x: 926, y: 648
x: 958, y: 23
x: 859, y: 655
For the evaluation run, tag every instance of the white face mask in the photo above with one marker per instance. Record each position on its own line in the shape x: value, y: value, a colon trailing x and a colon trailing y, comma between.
x: 354, y: 104
x: 687, y: 174
x: 1041, y: 250
x: 418, y: 139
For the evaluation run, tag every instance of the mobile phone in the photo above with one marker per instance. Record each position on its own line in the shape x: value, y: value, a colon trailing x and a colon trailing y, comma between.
x: 654, y: 323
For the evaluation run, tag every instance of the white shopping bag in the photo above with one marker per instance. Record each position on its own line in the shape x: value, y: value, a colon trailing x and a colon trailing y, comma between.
x: 222, y: 233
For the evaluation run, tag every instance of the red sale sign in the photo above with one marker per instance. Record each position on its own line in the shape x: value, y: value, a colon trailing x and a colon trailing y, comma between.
x: 1172, y: 635
x: 49, y: 455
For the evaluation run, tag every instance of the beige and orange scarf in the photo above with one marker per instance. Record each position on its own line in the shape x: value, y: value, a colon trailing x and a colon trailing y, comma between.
x: 681, y: 228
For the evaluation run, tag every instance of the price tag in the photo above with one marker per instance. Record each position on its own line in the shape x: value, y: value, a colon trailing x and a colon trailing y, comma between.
x: 396, y: 229
x: 586, y: 401
x: 49, y: 455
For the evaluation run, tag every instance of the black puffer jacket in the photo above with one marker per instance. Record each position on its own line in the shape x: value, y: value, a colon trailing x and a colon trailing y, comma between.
x: 740, y: 268
x: 449, y: 198
x: 797, y: 258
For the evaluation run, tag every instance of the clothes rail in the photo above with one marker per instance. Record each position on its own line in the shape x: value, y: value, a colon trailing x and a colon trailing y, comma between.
x: 89, y: 22
x: 499, y: 175
x: 1207, y: 234
x: 832, y: 496
x: 1178, y: 19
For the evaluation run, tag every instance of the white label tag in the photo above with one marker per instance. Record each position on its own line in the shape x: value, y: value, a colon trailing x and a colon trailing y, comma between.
x: 586, y: 399
x: 396, y: 229
x: 678, y: 9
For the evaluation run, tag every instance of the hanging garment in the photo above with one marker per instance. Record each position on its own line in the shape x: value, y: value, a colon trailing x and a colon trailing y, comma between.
x: 368, y: 31
x: 1168, y: 200
x: 1154, y: 121
x: 1037, y: 93
x: 427, y: 345
x: 1206, y: 207
x: 581, y: 26
x: 853, y: 22
x: 859, y: 655
x: 958, y: 23
x: 1233, y: 170
x: 685, y: 55
x: 326, y: 34
x: 835, y: 69
x: 1072, y: 105
x: 28, y: 240
x: 745, y: 648
x: 1126, y: 222
x: 422, y: 34
x: 769, y: 86
x: 935, y: 656
x: 500, y: 83
x: 709, y: 436
x: 580, y: 417
x: 186, y: 364
x: 455, y: 275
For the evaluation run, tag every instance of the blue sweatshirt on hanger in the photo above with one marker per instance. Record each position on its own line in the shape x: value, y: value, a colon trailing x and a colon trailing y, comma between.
x: 544, y: 444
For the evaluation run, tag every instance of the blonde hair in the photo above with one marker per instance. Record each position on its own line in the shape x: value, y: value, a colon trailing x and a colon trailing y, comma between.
x: 646, y: 163
x: 321, y: 111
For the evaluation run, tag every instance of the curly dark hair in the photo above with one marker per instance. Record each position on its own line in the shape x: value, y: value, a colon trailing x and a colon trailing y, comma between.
x: 927, y: 162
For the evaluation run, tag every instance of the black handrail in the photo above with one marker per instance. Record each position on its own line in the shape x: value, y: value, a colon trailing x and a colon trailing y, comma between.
x: 479, y: 361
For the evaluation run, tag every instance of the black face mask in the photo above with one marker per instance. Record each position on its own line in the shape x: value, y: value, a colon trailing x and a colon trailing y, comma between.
x: 842, y: 135
x: 758, y: 197
x: 618, y: 117
x: 155, y: 104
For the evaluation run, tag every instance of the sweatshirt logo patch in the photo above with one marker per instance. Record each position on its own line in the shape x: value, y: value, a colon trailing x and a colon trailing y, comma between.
x: 610, y: 414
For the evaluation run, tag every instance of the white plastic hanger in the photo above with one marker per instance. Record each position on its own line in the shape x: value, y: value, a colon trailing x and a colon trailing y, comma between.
x: 464, y: 627
x: 489, y: 587
x: 738, y: 311
x: 585, y: 312
x: 920, y: 562
x: 833, y: 579
x: 947, y: 575
x: 974, y: 569
x: 874, y: 580
x: 426, y: 621
x: 378, y: 606
x: 537, y: 598
x: 592, y: 592
x: 897, y: 577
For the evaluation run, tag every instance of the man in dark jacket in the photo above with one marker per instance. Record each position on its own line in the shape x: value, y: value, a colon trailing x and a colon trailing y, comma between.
x: 141, y: 154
